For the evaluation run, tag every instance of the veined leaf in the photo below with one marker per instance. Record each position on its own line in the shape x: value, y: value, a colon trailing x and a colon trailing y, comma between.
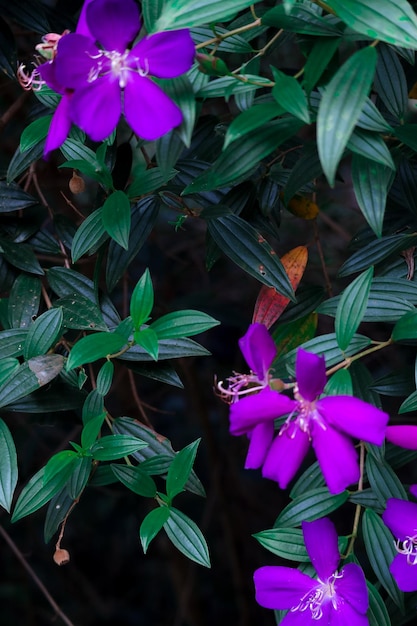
x: 188, y: 13
x: 116, y: 218
x: 8, y: 467
x: 93, y: 347
x: 351, y: 308
x: 187, y: 537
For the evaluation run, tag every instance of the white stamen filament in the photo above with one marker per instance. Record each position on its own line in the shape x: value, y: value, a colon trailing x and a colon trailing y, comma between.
x: 408, y: 547
x: 313, y: 600
x: 120, y: 65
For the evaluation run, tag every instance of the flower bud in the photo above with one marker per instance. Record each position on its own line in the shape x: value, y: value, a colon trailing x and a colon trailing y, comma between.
x: 76, y: 184
x: 61, y: 557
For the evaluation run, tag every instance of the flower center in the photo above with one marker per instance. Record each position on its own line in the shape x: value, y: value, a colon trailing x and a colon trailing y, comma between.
x: 119, y: 64
x: 239, y: 385
x: 314, y: 599
x: 408, y: 547
x: 305, y: 414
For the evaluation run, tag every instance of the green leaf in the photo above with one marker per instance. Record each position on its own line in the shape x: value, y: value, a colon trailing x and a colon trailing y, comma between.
x: 89, y: 236
x: 302, y: 19
x: 167, y: 349
x: 244, y: 154
x: 116, y: 218
x: 290, y: 95
x: 248, y: 249
x: 287, y: 543
x: 384, y: 481
x: 148, y: 340
x: 151, y: 525
x: 375, y: 252
x: 80, y: 312
x: 8, y: 467
x: 371, y: 146
x: 24, y: 301
x: 187, y: 537
x: 307, y: 168
x: 391, y: 82
x: 367, y: 499
x: 105, y: 378
x: 43, y: 333
x: 81, y: 471
x: 59, y: 463
x: 371, y: 183
x: 37, y: 493
x: 381, y: 551
x: 36, y: 372
x: 58, y: 508
x: 407, y: 133
x: 113, y: 447
x: 12, y: 342
x: 377, y: 612
x: 141, y: 302
x: 339, y: 384
x: 35, y: 133
x: 340, y: 107
x: 145, y: 181
x: 406, y: 328
x: 180, y: 469
x: 93, y: 347
x: 393, y: 21
x: 351, y: 308
x: 8, y: 366
x: 308, y: 507
x: 318, y: 60
x: 13, y: 198
x: 157, y: 446
x: 250, y: 120
x: 22, y: 160
x: 188, y: 13
x: 135, y: 479
x: 92, y: 426
x: 311, y: 478
x: 182, y: 324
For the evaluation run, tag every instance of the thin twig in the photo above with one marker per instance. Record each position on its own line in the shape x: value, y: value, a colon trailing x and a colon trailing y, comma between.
x: 34, y: 576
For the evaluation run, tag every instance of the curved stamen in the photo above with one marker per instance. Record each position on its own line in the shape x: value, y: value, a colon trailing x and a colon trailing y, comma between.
x: 408, y: 547
x: 313, y: 599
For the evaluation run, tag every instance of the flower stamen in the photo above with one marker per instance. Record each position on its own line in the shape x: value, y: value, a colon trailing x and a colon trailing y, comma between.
x: 408, y: 547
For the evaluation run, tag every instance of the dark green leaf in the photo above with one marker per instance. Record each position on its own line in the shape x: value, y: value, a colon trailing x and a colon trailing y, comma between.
x: 308, y: 507
x: 390, y: 81
x: 351, y: 307
x: 290, y: 95
x: 406, y: 328
x: 93, y: 347
x: 43, y: 333
x: 141, y: 302
x: 35, y: 133
x: 180, y: 469
x: 248, y: 249
x: 8, y: 467
x: 182, y: 324
x: 35, y: 373
x: 340, y: 107
x: 147, y: 339
x: 311, y: 478
x: 377, y: 612
x: 59, y: 463
x: 168, y: 349
x: 249, y: 120
x: 135, y: 479
x: 115, y: 215
x: 188, y: 13
x: 375, y: 252
x: 187, y: 537
x: 383, y: 480
x: 13, y: 198
x: 105, y: 378
x: 381, y: 551
x: 151, y: 525
x: 37, y: 493
x: 319, y: 58
x: 371, y: 182
x: 22, y: 160
x: 89, y: 236
x: 371, y: 146
x: 80, y: 313
x: 113, y: 447
x: 302, y: 19
x: 287, y: 543
x: 24, y: 301
x: 56, y: 513
x: 7, y: 368
x: 81, y: 471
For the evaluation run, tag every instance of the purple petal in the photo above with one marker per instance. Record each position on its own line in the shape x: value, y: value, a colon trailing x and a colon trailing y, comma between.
x: 299, y: 618
x: 352, y: 587
x: 403, y: 436
x: 320, y: 538
x: 148, y: 110
x: 342, y: 614
x: 401, y: 518
x: 354, y: 417
x: 285, y: 455
x: 246, y: 413
x: 258, y: 348
x: 310, y: 372
x: 405, y: 575
x: 337, y: 458
x: 260, y: 441
x: 167, y: 54
x: 413, y: 490
x: 96, y: 108
x: 82, y: 26
x: 76, y: 59
x: 48, y: 74
x: 60, y: 125
x: 281, y: 587
x: 113, y: 23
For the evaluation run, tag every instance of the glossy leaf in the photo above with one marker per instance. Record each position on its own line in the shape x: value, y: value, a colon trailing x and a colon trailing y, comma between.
x: 8, y: 467
x: 269, y: 303
x: 167, y: 349
x: 188, y: 13
x: 377, y: 612
x: 141, y: 301
x: 250, y: 120
x: 393, y: 21
x: 308, y: 507
x: 182, y: 324
x: 180, y: 469
x: 371, y: 146
x: 81, y: 471
x: 93, y: 347
x: 383, y: 480
x: 391, y: 82
x: 24, y: 301
x: 105, y: 378
x: 43, y: 333
x: 375, y: 252
x: 371, y: 183
x: 287, y: 543
x: 113, y: 447
x: 7, y: 368
x: 290, y: 95
x: 90, y: 235
x: 36, y: 492
x: 151, y: 525
x: 35, y: 133
x: 187, y: 537
x: 381, y: 550
x: 116, y: 219
x: 13, y: 198
x: 80, y: 312
x: 351, y: 308
x: 406, y: 328
x: 135, y: 479
x: 302, y: 19
x: 35, y: 373
x: 147, y: 339
x: 340, y: 107
x: 248, y: 249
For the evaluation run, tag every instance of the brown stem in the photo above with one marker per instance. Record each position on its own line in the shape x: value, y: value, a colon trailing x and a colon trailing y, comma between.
x: 137, y: 400
x: 34, y: 577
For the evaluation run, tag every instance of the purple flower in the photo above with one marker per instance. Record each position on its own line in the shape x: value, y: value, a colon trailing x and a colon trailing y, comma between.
x: 403, y: 436
x: 401, y: 518
x: 102, y: 78
x: 335, y: 598
x: 327, y: 422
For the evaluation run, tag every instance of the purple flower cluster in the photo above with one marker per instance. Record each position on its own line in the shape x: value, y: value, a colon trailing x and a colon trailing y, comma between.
x: 334, y: 597
x: 328, y: 422
x: 100, y: 74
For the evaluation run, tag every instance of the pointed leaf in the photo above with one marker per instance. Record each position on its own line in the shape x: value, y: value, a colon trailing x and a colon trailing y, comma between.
x: 340, y: 107
x: 308, y: 507
x: 180, y: 469
x: 351, y: 308
x: 135, y: 479
x: 187, y: 537
x: 80, y: 312
x: 370, y: 183
x: 93, y: 347
x: 248, y: 249
x: 184, y: 323
x: 141, y: 302
x: 148, y: 340
x: 290, y: 95
x: 151, y: 525
x: 43, y: 333
x: 8, y: 467
x: 270, y: 304
x: 116, y: 218
x: 113, y: 447
x: 90, y: 235
x: 249, y: 120
x: 187, y: 13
